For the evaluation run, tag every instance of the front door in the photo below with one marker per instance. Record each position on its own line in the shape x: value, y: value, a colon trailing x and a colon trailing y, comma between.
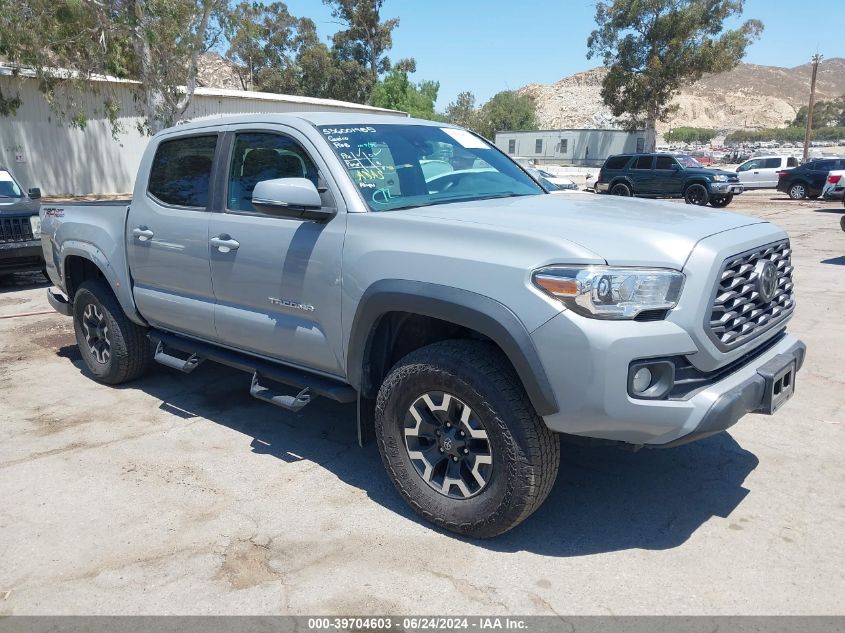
x: 167, y: 237
x: 277, y: 281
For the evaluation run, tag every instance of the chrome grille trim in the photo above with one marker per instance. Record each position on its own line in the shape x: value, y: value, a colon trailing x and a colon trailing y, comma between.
x: 738, y: 313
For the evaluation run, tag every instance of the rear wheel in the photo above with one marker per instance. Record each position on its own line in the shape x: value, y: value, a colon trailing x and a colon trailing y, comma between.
x: 696, y: 194
x: 798, y: 191
x: 721, y: 201
x: 114, y: 349
x: 461, y: 441
x: 620, y: 189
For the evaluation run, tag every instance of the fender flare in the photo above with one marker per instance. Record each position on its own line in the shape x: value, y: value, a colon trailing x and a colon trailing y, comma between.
x: 461, y: 307
x: 621, y: 180
x: 85, y: 250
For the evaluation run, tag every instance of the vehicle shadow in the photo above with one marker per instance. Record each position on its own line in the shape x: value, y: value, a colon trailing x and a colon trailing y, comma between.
x: 13, y: 282
x: 605, y: 499
x: 836, y: 209
x: 836, y: 261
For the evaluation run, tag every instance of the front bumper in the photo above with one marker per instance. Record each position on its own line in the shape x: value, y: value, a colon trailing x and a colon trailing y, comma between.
x: 589, y: 375
x: 21, y: 256
x: 726, y: 188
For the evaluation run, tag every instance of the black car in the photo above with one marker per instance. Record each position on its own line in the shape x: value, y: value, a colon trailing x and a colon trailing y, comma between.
x: 807, y: 181
x: 20, y: 227
x: 667, y: 176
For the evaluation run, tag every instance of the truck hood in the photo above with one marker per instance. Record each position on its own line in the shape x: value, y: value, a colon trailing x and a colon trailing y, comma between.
x: 622, y: 231
x: 18, y: 206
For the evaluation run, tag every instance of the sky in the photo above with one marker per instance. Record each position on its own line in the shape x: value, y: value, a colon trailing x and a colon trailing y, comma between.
x: 485, y: 46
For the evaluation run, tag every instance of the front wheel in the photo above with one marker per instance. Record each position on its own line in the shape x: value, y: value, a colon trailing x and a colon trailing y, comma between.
x: 114, y: 349
x: 696, y: 194
x: 461, y: 441
x: 721, y: 201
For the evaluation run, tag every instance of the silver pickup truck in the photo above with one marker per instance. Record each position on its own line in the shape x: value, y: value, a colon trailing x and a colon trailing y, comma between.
x: 413, y: 268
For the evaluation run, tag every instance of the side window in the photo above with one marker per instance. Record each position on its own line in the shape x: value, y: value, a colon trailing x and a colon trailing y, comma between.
x: 826, y: 165
x: 538, y: 146
x: 181, y: 171
x: 664, y: 162
x: 752, y: 164
x: 642, y: 162
x: 616, y: 162
x: 258, y: 156
x: 512, y: 146
x: 771, y: 163
x: 792, y: 162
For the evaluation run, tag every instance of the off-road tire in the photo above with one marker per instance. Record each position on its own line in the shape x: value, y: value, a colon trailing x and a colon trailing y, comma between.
x: 130, y: 352
x: 621, y: 189
x: 798, y: 191
x: 721, y: 202
x: 525, y: 453
x: 696, y: 193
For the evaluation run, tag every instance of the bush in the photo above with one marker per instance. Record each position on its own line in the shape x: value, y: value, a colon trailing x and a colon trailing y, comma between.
x: 783, y: 134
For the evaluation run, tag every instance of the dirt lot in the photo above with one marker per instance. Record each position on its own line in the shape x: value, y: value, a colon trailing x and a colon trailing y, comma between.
x: 181, y: 494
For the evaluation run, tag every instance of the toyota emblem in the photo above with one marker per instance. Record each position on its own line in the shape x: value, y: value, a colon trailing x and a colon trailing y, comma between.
x: 767, y: 279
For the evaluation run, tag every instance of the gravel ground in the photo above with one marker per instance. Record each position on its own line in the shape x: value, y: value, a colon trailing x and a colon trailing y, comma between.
x: 181, y: 494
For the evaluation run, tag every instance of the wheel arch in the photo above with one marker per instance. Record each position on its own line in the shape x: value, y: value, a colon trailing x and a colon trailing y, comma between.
x: 621, y: 180
x: 389, y: 308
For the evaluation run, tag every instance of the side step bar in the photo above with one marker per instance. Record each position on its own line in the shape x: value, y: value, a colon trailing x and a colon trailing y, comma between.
x: 291, y: 403
x: 315, y: 384
x: 185, y: 365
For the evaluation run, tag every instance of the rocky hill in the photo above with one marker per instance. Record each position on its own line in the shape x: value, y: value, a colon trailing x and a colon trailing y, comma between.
x: 748, y: 97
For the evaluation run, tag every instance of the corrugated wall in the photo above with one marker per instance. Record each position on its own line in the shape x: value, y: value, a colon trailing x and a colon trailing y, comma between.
x: 44, y: 151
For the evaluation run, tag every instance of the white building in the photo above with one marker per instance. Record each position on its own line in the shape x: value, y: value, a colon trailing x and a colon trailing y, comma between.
x: 589, y: 147
x: 44, y: 151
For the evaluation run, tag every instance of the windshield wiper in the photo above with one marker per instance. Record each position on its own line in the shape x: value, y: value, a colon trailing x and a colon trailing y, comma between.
x: 509, y: 194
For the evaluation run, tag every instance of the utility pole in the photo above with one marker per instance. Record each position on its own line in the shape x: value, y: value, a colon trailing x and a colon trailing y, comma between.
x: 816, y: 59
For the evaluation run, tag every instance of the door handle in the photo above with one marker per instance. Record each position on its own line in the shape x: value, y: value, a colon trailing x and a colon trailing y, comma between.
x: 756, y: 172
x: 142, y: 233
x: 224, y: 243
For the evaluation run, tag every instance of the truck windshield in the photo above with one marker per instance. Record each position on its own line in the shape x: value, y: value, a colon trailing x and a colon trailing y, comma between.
x: 687, y: 161
x: 8, y: 187
x: 402, y: 166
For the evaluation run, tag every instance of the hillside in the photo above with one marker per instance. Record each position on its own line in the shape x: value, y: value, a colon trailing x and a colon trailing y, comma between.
x: 750, y: 96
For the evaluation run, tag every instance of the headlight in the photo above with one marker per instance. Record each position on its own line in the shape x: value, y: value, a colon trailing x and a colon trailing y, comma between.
x: 603, y: 292
x: 720, y: 178
x: 35, y: 223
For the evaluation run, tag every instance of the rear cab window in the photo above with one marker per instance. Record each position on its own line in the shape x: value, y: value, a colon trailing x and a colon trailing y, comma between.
x: 181, y: 171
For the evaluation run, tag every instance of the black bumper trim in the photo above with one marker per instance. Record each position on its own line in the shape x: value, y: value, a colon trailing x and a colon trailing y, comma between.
x: 59, y: 303
x: 746, y: 397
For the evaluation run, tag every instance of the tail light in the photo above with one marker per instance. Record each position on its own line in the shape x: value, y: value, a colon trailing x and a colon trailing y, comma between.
x: 834, y: 179
x: 781, y: 174
x: 601, y: 176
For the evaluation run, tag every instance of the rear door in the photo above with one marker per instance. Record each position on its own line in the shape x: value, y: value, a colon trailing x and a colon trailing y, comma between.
x: 277, y: 282
x: 642, y: 174
x: 167, y: 235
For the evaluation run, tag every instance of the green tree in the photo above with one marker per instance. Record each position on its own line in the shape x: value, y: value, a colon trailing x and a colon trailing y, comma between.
x: 398, y: 92
x: 157, y: 42
x: 652, y: 48
x: 365, y: 38
x: 825, y: 114
x: 462, y: 111
x: 690, y: 135
x: 506, y: 110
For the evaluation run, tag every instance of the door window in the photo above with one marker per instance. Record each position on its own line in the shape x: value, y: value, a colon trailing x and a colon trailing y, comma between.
x: 752, y: 164
x: 642, y: 162
x: 258, y: 156
x: 771, y: 163
x: 792, y: 162
x: 181, y: 171
x: 665, y: 162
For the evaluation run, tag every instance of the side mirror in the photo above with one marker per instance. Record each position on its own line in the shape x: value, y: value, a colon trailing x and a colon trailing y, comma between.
x: 295, y: 198
x: 34, y: 193
x: 676, y: 167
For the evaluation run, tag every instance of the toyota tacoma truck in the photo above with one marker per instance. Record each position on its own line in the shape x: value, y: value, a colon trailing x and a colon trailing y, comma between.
x: 20, y: 227
x: 473, y: 317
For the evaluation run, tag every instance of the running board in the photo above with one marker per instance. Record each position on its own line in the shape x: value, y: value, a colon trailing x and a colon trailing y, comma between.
x: 185, y: 365
x: 316, y: 384
x: 291, y: 403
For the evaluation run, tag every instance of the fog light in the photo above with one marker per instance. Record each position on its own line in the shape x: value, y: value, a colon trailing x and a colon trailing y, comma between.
x: 642, y: 380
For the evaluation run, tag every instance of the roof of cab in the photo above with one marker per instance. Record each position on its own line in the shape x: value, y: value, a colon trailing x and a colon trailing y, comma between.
x: 312, y: 118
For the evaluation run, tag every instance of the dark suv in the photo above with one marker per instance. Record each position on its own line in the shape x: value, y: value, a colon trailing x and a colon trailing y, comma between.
x: 20, y: 227
x: 807, y: 181
x: 667, y: 176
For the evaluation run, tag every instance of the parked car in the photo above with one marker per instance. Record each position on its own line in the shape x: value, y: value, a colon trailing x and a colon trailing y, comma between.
x: 667, y: 176
x: 472, y: 324
x: 762, y: 172
x: 561, y: 182
x: 704, y: 158
x: 834, y: 187
x: 20, y: 226
x: 807, y: 180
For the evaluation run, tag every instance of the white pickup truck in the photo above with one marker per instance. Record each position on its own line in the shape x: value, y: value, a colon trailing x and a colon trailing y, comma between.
x: 473, y: 317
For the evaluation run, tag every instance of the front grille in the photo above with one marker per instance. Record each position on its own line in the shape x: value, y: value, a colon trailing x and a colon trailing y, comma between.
x: 739, y: 312
x: 15, y: 230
